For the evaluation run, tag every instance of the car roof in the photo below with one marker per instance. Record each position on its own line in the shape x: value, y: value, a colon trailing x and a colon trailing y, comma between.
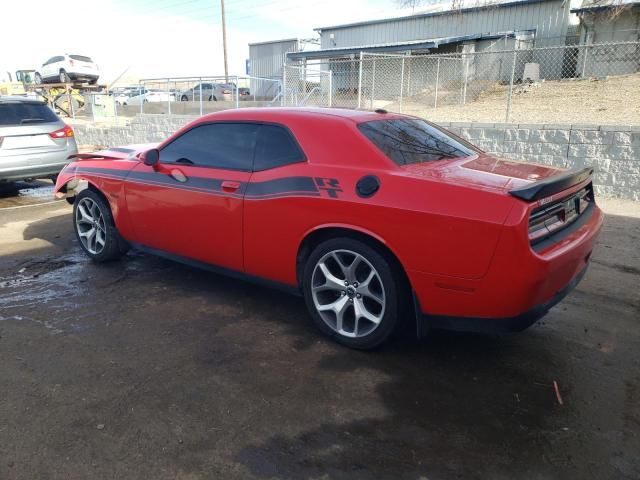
x: 283, y: 114
x: 18, y: 99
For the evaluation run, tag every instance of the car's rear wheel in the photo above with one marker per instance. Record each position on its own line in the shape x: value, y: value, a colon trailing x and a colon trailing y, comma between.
x: 95, y: 229
x: 212, y: 98
x: 184, y: 98
x: 37, y: 79
x: 64, y: 77
x: 352, y: 292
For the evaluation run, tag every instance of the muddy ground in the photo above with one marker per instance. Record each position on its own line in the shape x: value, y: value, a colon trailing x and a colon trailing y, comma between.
x: 145, y: 369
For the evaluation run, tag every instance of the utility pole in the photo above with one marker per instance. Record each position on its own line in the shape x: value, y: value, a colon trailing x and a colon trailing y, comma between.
x: 224, y: 42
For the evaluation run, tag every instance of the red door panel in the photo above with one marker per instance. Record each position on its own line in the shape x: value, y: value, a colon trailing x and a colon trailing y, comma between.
x: 190, y: 211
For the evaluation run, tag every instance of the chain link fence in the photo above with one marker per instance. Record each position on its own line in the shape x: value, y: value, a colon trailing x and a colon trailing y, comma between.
x: 573, y: 83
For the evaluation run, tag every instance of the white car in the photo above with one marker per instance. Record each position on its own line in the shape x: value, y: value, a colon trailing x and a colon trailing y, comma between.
x: 150, y: 96
x: 66, y: 68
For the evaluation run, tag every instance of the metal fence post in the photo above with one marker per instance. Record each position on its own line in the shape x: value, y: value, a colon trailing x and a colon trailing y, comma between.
x: 141, y: 99
x: 360, y: 80
x: 435, y: 103
x: 584, y: 62
x: 200, y: 87
x: 513, y: 72
x: 115, y: 109
x: 168, y: 97
x: 237, y: 94
x: 401, y: 84
x: 373, y: 82
x: 330, y: 88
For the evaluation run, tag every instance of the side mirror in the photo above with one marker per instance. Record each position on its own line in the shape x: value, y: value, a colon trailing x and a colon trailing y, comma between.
x: 151, y: 157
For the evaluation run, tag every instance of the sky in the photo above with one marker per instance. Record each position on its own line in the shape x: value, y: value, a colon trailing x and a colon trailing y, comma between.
x: 160, y: 38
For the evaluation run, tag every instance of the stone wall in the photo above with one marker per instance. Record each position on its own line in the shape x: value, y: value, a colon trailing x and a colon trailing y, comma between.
x: 614, y: 151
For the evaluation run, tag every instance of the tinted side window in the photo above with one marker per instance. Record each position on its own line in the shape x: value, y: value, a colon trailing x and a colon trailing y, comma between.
x: 219, y: 145
x: 57, y: 59
x: 275, y: 147
x: 407, y: 141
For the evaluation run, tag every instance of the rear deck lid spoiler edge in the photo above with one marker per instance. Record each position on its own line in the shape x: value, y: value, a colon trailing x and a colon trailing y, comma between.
x: 549, y: 186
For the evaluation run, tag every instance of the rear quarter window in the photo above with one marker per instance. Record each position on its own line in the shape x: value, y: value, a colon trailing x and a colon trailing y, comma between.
x: 408, y: 141
x: 25, y: 113
x: 81, y: 58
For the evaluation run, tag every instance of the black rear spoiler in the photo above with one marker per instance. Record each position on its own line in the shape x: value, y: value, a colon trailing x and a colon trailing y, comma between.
x: 549, y: 186
x: 84, y: 156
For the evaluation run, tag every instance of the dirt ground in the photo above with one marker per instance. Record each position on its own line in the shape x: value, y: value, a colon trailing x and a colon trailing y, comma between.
x: 145, y: 369
x: 614, y: 100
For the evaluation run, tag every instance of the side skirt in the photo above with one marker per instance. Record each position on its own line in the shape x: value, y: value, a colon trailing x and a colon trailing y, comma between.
x: 283, y: 287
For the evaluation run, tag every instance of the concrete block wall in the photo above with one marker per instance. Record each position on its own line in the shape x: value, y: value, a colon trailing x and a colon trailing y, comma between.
x: 139, y: 129
x: 614, y: 151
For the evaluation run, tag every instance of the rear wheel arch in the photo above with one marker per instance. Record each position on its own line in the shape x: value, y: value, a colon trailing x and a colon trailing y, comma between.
x: 315, y: 237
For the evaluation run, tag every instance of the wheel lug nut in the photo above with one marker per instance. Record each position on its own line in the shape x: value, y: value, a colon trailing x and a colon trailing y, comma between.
x: 343, y: 293
x: 355, y: 284
x: 359, y: 296
x: 346, y: 284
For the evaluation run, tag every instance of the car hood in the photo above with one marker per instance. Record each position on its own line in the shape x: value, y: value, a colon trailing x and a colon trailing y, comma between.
x: 483, y: 171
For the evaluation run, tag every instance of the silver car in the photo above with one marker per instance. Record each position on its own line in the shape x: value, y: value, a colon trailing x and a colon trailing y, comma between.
x: 34, y: 142
x: 211, y: 92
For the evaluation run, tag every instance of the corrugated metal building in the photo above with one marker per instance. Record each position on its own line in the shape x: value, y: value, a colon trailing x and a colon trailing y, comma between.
x: 446, y: 31
x: 266, y: 61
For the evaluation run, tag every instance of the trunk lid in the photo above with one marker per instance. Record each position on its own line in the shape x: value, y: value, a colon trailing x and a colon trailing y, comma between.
x: 28, y: 139
x: 484, y: 172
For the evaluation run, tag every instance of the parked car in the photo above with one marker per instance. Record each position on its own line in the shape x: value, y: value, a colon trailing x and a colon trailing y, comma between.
x: 34, y: 142
x: 211, y: 92
x: 66, y: 68
x: 373, y: 217
x: 243, y: 92
x: 148, y: 96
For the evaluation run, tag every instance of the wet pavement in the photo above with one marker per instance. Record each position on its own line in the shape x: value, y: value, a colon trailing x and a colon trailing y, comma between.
x: 145, y: 369
x: 24, y: 193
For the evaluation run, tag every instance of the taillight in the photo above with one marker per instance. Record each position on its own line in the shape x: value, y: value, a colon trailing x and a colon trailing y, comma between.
x: 64, y: 132
x: 548, y: 219
x: 226, y: 92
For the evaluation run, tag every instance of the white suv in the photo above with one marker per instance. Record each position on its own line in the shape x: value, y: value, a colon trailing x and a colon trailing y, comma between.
x: 65, y: 68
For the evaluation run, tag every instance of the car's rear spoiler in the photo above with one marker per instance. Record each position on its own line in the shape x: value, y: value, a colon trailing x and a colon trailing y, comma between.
x: 84, y: 156
x: 549, y: 186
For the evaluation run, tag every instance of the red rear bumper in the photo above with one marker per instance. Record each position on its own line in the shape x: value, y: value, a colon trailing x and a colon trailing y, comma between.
x: 521, y: 285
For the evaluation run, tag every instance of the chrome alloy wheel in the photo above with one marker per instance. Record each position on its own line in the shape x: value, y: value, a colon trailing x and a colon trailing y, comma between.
x: 90, y: 225
x: 348, y: 293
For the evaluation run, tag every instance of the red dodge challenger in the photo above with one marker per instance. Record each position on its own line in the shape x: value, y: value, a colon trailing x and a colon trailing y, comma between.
x: 373, y: 217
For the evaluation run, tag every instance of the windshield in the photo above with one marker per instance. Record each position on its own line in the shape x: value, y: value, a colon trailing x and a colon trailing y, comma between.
x: 23, y: 113
x: 407, y: 141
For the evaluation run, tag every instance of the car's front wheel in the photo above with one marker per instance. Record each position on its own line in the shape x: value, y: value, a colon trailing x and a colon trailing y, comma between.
x: 352, y: 291
x: 95, y: 229
x: 37, y: 79
x: 64, y: 77
x: 184, y: 98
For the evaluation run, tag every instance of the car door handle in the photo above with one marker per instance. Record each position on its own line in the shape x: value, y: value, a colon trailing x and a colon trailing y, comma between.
x: 230, y: 186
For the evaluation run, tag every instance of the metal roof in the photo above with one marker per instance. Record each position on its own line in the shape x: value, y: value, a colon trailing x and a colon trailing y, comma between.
x: 393, y: 47
x: 489, y: 6
x: 286, y: 40
x: 595, y: 5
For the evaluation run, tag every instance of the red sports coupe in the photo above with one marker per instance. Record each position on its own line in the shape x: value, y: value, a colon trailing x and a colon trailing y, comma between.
x: 373, y: 217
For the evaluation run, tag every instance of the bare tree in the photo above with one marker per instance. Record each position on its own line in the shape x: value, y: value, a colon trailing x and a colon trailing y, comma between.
x: 409, y: 3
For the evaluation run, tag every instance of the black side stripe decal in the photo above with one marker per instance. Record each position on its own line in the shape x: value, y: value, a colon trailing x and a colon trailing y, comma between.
x: 280, y: 187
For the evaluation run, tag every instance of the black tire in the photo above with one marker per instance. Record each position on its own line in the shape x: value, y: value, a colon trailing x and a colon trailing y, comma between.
x: 389, y: 278
x: 93, y: 81
x: 37, y: 78
x: 115, y: 246
x: 212, y: 98
x: 64, y: 77
x: 184, y: 98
